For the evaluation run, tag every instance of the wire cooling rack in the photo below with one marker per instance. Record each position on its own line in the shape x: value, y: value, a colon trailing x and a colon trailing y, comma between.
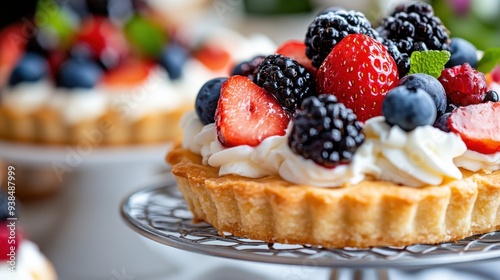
x: 161, y: 214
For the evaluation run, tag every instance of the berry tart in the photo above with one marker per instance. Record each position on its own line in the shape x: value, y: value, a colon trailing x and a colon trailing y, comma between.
x: 358, y: 136
x: 20, y: 258
x: 105, y: 78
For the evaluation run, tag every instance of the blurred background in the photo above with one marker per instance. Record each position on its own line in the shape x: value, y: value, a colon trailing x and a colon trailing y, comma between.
x: 76, y: 222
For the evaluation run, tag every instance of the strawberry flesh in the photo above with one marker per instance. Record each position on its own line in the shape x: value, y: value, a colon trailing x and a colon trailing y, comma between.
x: 478, y: 126
x: 247, y: 114
x: 359, y: 72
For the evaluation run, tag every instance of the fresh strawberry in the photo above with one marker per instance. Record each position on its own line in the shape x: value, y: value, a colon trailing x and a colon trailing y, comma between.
x: 247, y: 114
x: 104, y: 40
x: 464, y: 85
x: 478, y: 126
x: 130, y: 73
x: 6, y: 241
x: 359, y: 72
x: 214, y: 58
x: 297, y: 50
x: 12, y: 44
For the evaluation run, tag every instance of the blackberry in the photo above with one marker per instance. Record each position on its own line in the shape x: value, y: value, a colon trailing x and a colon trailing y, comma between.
x: 325, y: 131
x: 288, y: 81
x: 329, y: 28
x: 413, y: 27
x: 402, y: 59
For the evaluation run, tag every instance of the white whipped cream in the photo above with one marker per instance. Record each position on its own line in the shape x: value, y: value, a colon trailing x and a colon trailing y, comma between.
x: 155, y: 94
x: 420, y: 157
x: 29, y: 262
x: 78, y: 105
x: 27, y: 97
x: 475, y: 161
x: 271, y: 157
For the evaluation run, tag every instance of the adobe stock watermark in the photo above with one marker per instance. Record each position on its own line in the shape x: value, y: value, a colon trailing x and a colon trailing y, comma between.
x: 223, y: 7
x: 121, y: 106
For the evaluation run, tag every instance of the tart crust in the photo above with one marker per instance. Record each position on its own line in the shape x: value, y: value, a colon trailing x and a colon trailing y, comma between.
x: 47, y: 126
x: 371, y: 213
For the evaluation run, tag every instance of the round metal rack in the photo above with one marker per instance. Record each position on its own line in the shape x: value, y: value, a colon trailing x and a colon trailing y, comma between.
x: 161, y: 214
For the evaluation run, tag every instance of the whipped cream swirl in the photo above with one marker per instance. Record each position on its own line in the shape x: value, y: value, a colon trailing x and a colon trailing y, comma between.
x: 420, y: 157
x: 475, y: 161
x: 271, y: 157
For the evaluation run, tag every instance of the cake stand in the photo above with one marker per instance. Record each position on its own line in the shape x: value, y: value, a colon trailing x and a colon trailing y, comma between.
x: 161, y: 214
x: 79, y: 228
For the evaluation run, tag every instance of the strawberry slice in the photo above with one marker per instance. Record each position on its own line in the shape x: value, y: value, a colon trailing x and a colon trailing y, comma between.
x: 359, y: 72
x: 478, y: 126
x: 247, y: 114
x: 130, y: 73
x: 297, y: 50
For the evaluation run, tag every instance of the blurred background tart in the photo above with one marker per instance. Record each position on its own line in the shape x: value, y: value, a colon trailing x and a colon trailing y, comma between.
x: 108, y: 76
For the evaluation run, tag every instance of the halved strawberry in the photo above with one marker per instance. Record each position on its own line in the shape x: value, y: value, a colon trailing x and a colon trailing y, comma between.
x: 297, y: 50
x: 359, y: 72
x: 247, y: 114
x: 130, y: 73
x: 478, y: 126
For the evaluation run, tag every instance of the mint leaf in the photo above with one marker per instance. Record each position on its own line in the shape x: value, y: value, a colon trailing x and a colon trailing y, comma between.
x: 429, y: 62
x: 489, y: 60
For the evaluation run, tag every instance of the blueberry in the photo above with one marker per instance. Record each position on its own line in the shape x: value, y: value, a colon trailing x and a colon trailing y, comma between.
x: 491, y: 95
x: 31, y: 67
x: 408, y: 108
x: 442, y: 122
x: 172, y: 58
x: 431, y: 85
x: 246, y: 68
x: 78, y: 73
x: 207, y: 99
x: 4, y: 211
x: 462, y: 51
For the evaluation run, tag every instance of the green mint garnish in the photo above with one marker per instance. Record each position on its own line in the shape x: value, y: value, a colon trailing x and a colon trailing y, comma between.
x: 489, y: 60
x: 429, y: 62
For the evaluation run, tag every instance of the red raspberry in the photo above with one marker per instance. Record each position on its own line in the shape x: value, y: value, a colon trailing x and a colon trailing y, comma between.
x: 464, y: 85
